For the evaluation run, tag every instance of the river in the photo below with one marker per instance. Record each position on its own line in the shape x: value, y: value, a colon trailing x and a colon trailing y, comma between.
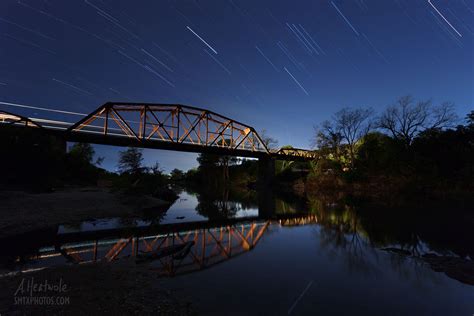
x: 310, y: 257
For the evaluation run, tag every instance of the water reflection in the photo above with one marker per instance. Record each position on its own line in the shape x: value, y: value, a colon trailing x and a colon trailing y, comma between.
x: 171, y: 249
x: 203, y: 229
x: 411, y: 230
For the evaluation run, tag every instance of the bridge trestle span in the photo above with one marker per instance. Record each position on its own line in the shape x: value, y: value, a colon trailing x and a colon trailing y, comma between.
x: 163, y: 126
x: 177, y: 124
x: 14, y: 119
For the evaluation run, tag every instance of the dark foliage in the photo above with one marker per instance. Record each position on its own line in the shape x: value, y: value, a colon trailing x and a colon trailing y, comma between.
x: 130, y: 161
x: 79, y: 166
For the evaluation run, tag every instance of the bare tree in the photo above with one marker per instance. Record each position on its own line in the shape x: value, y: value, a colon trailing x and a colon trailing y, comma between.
x: 327, y: 138
x: 353, y: 124
x: 407, y: 119
x: 270, y: 142
x: 443, y: 116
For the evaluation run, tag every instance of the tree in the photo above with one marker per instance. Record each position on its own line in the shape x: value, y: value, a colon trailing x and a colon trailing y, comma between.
x: 83, y: 152
x: 327, y: 138
x: 156, y: 169
x: 80, y: 167
x: 352, y: 124
x: 470, y: 120
x: 346, y: 127
x: 378, y: 153
x: 130, y: 161
x: 177, y: 175
x: 208, y: 163
x: 270, y: 142
x: 407, y: 119
x: 224, y: 162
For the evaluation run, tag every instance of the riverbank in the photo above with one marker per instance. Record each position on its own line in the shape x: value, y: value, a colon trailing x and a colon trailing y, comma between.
x: 21, y: 212
x: 389, y: 190
x: 119, y: 289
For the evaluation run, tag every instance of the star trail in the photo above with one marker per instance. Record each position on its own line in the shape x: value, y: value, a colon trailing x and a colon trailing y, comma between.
x: 445, y: 20
x: 279, y: 66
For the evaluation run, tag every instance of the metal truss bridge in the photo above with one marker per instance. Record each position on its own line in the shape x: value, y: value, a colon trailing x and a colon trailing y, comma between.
x: 170, y: 249
x: 163, y: 126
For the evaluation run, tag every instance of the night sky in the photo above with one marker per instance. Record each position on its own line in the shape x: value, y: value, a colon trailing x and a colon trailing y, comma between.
x: 283, y: 66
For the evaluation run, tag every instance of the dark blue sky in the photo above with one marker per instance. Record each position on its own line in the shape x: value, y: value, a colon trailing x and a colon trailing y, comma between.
x: 283, y: 66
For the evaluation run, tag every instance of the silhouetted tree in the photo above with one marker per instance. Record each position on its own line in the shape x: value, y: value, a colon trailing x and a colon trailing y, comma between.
x: 327, y: 138
x: 270, y: 142
x: 470, y: 120
x: 82, y: 151
x: 407, y: 119
x: 130, y: 161
x: 177, y: 175
x: 209, y: 163
x: 156, y: 169
x: 80, y: 164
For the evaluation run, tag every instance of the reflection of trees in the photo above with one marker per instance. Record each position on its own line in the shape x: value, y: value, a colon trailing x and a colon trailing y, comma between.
x: 356, y: 234
x: 290, y: 203
x: 213, y: 209
x: 284, y: 207
x: 342, y: 235
x: 224, y: 203
x: 415, y: 229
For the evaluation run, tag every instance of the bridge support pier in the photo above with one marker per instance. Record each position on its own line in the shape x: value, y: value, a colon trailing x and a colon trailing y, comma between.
x: 265, y: 183
x: 266, y: 172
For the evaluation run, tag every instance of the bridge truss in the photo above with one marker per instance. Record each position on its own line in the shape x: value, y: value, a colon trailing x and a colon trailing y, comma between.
x: 177, y: 124
x: 163, y: 126
x: 14, y: 119
x: 297, y: 153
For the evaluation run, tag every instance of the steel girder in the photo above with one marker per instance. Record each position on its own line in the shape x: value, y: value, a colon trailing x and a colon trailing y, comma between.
x: 177, y: 124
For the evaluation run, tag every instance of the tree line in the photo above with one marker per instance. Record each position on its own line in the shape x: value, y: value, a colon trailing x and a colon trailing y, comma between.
x: 412, y: 142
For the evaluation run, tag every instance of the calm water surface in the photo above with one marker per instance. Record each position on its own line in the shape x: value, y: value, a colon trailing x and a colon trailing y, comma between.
x: 315, y: 258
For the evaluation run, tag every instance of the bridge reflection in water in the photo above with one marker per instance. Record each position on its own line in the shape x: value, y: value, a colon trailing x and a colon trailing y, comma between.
x: 170, y: 253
